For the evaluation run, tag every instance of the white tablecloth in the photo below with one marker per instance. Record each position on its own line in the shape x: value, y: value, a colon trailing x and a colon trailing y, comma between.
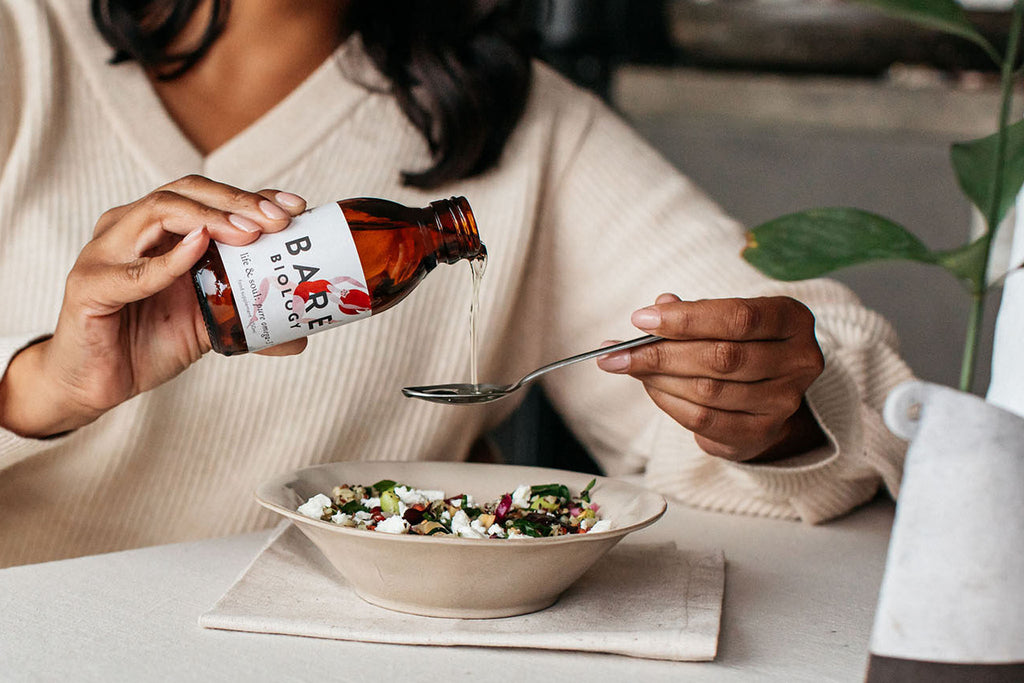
x: 799, y: 602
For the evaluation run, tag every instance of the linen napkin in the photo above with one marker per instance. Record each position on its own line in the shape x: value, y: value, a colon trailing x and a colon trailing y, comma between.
x: 650, y: 601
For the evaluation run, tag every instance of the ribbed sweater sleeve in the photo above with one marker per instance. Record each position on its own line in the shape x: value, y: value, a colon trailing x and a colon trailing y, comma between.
x: 664, y: 235
x: 14, y: 448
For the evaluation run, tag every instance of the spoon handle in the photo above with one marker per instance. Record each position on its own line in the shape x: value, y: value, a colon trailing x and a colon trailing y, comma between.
x: 639, y: 341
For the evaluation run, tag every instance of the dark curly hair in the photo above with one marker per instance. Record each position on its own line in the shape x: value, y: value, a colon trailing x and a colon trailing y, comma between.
x: 460, y: 69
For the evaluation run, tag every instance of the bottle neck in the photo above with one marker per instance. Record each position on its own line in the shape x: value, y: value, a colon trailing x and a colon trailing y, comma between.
x: 453, y: 218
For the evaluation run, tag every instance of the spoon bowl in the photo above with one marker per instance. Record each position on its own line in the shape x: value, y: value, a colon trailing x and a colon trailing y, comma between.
x: 459, y: 393
x: 464, y: 394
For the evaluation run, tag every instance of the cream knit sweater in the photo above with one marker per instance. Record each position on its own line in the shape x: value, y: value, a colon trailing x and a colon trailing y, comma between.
x: 583, y: 222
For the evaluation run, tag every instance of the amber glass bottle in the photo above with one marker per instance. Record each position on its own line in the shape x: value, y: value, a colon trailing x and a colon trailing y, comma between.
x: 334, y: 264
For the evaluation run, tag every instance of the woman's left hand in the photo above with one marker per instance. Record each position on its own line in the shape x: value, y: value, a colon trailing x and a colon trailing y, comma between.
x: 732, y: 371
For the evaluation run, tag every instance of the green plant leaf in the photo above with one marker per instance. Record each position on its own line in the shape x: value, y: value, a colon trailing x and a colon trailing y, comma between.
x: 942, y: 15
x: 974, y: 163
x: 968, y: 263
x: 815, y: 242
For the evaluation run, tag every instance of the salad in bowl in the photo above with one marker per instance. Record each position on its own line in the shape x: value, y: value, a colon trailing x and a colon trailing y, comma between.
x: 431, y: 560
x: 526, y: 512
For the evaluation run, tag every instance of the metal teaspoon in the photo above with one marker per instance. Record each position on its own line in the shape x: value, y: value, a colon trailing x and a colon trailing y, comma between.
x: 483, y: 393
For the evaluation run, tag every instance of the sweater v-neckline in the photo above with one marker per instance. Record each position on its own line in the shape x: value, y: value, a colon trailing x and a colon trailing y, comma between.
x: 252, y: 157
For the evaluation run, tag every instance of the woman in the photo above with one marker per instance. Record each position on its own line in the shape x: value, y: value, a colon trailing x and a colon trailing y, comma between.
x: 119, y: 430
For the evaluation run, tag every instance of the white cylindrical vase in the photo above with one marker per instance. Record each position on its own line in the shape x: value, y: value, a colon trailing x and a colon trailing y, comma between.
x: 951, y: 605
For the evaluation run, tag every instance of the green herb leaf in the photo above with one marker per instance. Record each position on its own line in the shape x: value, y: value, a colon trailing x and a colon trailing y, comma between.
x: 974, y: 163
x: 585, y: 493
x: 941, y: 15
x: 351, y: 507
x: 530, y: 528
x: 558, y: 490
x: 815, y: 242
x: 383, y: 485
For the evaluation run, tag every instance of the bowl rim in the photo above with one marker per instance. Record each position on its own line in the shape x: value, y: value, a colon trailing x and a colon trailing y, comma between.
x: 613, y: 533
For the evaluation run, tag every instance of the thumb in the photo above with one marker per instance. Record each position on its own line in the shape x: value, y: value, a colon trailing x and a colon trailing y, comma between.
x: 125, y: 283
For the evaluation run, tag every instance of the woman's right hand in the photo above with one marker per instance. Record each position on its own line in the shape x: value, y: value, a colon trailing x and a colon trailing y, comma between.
x: 130, y: 320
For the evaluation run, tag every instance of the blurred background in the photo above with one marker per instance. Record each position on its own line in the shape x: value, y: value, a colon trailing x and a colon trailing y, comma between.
x: 774, y: 106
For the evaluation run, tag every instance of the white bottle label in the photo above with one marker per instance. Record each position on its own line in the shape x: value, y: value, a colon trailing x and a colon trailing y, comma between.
x: 304, y: 279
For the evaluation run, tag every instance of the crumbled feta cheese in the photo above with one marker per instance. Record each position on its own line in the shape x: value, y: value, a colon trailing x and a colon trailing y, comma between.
x: 459, y: 519
x: 446, y: 516
x: 521, y: 497
x: 362, y: 516
x: 393, y: 525
x: 601, y: 525
x: 370, y: 503
x: 461, y: 526
x: 314, y: 507
x: 417, y: 496
x: 343, y: 519
x: 496, y: 530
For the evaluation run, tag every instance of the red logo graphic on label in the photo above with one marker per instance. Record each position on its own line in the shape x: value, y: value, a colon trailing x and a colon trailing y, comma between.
x: 352, y: 299
x: 349, y: 295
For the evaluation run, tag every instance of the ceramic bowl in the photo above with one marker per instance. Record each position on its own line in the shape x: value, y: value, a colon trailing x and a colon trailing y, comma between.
x: 459, y: 577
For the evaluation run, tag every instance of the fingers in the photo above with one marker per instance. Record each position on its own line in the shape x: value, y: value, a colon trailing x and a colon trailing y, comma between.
x: 109, y: 218
x: 288, y: 348
x: 744, y: 340
x: 718, y: 359
x: 767, y: 397
x: 137, y: 245
x: 722, y: 433
x: 269, y: 210
x: 149, y: 223
x: 292, y: 203
x: 246, y: 212
x: 152, y: 220
x: 102, y: 288
x: 732, y: 371
x: 732, y: 319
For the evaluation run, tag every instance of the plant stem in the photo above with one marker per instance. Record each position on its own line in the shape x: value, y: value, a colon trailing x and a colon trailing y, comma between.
x: 971, y: 342
x: 980, y: 285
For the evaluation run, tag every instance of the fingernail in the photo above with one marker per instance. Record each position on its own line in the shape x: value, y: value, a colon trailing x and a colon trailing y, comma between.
x: 616, y: 362
x: 194, y: 235
x: 243, y: 223
x: 289, y: 199
x: 272, y: 210
x: 646, y: 318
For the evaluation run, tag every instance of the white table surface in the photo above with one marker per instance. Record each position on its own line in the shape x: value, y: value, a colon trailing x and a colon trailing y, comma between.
x: 799, y: 603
